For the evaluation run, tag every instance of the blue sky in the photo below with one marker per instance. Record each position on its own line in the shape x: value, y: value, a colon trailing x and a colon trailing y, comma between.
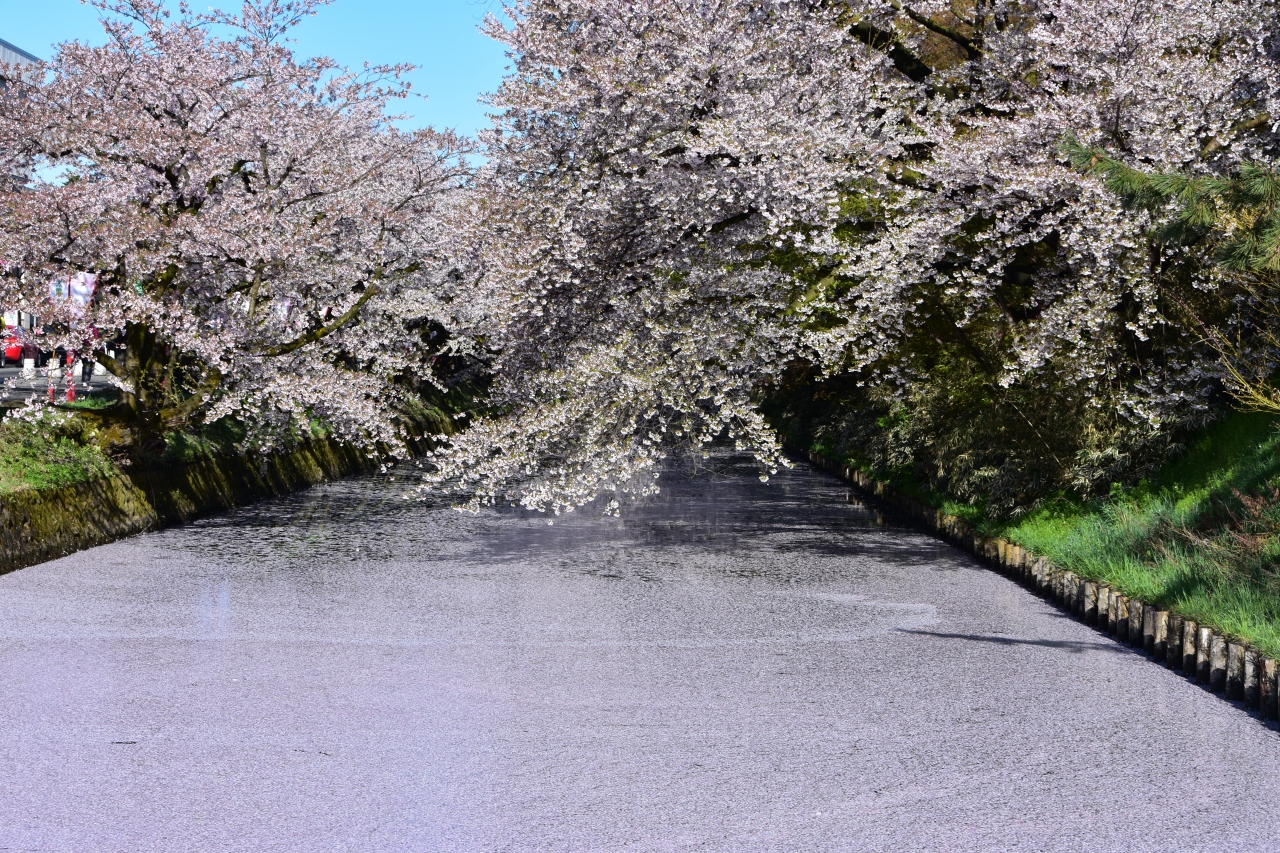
x: 456, y: 63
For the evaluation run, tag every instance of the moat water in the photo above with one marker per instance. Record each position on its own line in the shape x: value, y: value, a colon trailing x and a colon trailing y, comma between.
x: 730, y: 666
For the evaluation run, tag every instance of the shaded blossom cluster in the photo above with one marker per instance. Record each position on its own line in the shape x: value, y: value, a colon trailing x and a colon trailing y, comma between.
x: 683, y: 198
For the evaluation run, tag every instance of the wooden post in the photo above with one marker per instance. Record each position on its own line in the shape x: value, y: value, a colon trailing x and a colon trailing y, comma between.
x: 1217, y: 663
x: 1135, y: 623
x: 1252, y: 660
x: 1267, y: 689
x: 1203, y: 638
x: 1173, y: 654
x: 1160, y: 645
x: 1070, y: 587
x: 1235, y: 671
x: 1190, y: 637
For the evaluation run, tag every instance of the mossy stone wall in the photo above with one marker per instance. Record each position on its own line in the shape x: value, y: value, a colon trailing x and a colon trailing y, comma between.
x: 36, y: 526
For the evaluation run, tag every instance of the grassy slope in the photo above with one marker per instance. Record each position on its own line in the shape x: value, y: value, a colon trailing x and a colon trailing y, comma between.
x: 1199, y: 539
x: 58, y: 449
x: 1202, y: 539
x: 51, y: 452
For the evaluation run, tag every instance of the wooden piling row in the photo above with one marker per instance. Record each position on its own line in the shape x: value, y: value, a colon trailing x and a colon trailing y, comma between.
x: 1236, y: 670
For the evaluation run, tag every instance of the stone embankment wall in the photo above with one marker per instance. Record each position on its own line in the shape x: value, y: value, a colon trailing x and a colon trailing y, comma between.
x: 36, y: 526
x: 1235, y: 670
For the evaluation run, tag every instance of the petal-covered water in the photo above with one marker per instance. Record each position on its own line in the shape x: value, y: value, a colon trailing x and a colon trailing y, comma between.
x: 730, y: 666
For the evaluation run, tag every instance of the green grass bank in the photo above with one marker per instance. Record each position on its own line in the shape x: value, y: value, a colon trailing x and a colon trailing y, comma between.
x: 59, y: 446
x: 61, y: 493
x: 1199, y: 538
x: 49, y: 452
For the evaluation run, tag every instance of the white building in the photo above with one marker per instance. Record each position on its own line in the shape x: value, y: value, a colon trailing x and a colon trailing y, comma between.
x: 14, y: 55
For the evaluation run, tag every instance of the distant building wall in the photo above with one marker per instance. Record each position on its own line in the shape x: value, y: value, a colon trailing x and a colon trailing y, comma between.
x: 15, y: 55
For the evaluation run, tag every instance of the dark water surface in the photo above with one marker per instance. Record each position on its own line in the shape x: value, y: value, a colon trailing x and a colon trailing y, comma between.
x: 731, y: 666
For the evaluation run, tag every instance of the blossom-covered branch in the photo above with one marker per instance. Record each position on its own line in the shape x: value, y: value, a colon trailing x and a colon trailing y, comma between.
x: 878, y: 184
x: 260, y: 231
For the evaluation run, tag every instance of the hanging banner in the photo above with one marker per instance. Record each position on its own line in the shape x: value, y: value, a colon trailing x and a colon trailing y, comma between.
x: 83, y: 285
x: 78, y: 290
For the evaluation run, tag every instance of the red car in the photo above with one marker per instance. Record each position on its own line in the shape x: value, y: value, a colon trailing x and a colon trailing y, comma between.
x: 14, y: 347
x: 10, y: 348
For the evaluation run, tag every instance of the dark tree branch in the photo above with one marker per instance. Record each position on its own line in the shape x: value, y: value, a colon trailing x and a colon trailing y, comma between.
x: 1252, y: 124
x: 971, y: 48
x: 907, y: 63
x: 323, y: 331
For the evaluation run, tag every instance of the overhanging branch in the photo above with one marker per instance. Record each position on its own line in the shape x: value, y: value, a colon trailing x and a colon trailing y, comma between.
x: 971, y: 48
x: 179, y: 413
x: 323, y: 331
x: 907, y: 63
x: 1246, y: 126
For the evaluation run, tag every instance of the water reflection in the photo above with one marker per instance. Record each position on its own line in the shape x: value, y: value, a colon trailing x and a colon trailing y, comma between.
x: 355, y: 558
x: 213, y: 607
x: 720, y: 508
x: 344, y: 670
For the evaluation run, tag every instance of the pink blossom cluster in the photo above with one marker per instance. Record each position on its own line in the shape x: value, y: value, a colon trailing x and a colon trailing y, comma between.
x: 260, y: 216
x: 681, y: 198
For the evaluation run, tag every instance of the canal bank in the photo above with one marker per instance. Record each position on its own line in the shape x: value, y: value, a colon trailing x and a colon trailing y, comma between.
x: 100, y: 500
x: 43, y: 524
x: 1236, y: 670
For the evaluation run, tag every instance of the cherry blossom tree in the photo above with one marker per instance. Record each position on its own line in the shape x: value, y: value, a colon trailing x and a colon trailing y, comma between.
x: 1234, y: 217
x: 266, y: 242
x: 647, y: 161
x: 994, y: 265
x: 683, y: 198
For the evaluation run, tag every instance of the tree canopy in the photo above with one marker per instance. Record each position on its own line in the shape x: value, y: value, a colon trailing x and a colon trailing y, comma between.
x: 265, y: 241
x: 684, y: 212
x: 684, y: 201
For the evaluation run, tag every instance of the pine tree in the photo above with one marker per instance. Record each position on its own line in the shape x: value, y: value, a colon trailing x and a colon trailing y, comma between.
x: 1238, y: 215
